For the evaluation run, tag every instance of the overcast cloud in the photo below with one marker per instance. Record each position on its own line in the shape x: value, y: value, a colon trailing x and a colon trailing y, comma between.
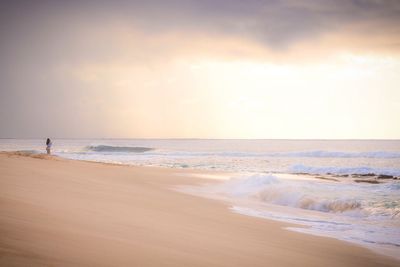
x: 43, y: 42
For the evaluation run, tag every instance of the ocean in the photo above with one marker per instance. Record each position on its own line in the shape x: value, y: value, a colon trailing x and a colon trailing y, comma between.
x: 345, y: 189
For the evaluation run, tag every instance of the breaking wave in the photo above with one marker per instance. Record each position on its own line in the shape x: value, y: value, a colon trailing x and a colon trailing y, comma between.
x: 338, y: 154
x: 126, y: 149
x: 303, y: 201
x: 297, y: 154
x: 303, y: 154
x: 294, y: 154
x: 314, y: 195
x: 270, y: 189
x: 362, y: 213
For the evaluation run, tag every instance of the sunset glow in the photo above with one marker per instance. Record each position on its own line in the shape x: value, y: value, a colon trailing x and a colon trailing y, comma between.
x: 186, y: 78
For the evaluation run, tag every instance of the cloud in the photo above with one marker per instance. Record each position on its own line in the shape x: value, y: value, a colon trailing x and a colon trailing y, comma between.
x: 274, y: 23
x: 71, y: 32
x: 53, y: 52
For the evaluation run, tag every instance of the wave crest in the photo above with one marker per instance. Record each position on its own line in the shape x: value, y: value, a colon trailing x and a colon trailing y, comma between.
x: 311, y: 154
x: 270, y: 189
x: 127, y: 149
x: 290, y: 198
x: 340, y: 154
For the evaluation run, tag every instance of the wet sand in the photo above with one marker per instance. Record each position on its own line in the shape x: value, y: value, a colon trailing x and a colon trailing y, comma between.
x: 56, y: 212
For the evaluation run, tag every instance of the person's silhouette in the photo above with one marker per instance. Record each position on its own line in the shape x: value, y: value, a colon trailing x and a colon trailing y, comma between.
x: 48, y: 145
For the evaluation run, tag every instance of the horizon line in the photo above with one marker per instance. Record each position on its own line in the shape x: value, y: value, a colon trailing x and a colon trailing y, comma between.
x: 195, y: 138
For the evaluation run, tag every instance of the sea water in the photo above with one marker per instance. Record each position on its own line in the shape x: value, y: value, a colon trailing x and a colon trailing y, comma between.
x: 346, y: 189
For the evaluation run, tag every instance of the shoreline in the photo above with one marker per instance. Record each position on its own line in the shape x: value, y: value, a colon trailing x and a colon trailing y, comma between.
x: 70, y: 212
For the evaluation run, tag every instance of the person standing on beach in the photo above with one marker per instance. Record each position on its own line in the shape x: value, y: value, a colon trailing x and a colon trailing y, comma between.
x: 48, y: 145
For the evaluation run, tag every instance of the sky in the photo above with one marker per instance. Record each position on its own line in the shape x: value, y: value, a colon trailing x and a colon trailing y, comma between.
x: 286, y: 69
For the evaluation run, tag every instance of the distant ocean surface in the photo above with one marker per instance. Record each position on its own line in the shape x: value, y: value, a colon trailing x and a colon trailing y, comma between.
x: 347, y: 189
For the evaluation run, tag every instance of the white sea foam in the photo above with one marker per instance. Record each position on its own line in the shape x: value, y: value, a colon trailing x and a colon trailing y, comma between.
x: 313, y: 194
x: 235, y: 154
x: 366, y: 214
x: 118, y: 149
x: 371, y: 234
x: 339, y: 154
x: 277, y: 156
x: 292, y: 154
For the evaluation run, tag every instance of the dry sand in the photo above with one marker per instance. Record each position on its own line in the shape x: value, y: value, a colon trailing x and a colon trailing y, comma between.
x: 56, y: 212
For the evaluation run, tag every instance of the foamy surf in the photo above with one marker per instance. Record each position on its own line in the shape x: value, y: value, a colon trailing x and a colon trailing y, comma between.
x: 367, y: 214
x: 347, y: 189
x: 312, y: 194
x: 384, y: 240
x: 121, y: 149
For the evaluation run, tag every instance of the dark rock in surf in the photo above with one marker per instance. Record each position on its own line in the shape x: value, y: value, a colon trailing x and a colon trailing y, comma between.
x: 367, y: 181
x: 384, y: 176
x: 368, y: 174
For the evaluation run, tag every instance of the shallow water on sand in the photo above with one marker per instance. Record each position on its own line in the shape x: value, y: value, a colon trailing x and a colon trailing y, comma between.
x: 343, y: 189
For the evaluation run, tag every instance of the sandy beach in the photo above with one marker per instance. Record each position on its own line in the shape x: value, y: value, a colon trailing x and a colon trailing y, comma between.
x: 57, y: 212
